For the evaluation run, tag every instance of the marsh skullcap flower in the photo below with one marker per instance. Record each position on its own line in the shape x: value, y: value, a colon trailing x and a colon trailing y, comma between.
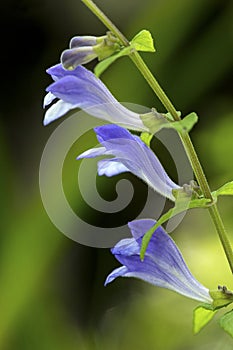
x: 80, y: 88
x: 163, y: 264
x: 130, y: 154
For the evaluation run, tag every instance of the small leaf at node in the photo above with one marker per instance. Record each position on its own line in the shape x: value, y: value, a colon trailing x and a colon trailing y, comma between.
x: 143, y: 41
x: 183, y: 202
x: 225, y: 190
x: 201, y: 316
x: 226, y: 322
x: 187, y: 123
x: 146, y: 138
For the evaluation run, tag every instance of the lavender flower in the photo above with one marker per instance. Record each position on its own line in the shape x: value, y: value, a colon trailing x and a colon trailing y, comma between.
x: 80, y: 52
x: 72, y: 58
x: 85, y: 40
x: 80, y: 88
x: 163, y: 265
x: 131, y: 154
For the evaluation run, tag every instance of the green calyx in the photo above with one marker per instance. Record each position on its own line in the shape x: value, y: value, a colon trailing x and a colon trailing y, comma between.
x: 221, y: 297
x: 191, y: 190
x: 155, y: 121
x: 106, y: 46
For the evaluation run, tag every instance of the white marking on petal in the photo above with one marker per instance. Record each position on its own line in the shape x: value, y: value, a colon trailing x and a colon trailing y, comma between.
x: 92, y: 153
x: 48, y: 99
x: 56, y: 111
x: 121, y: 271
x: 110, y: 168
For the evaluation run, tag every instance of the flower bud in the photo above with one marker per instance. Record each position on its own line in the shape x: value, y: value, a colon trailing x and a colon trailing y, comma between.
x: 72, y: 58
x: 84, y: 49
x: 79, y: 41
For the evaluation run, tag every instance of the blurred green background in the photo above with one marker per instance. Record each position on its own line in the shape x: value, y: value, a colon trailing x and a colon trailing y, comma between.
x: 51, y: 288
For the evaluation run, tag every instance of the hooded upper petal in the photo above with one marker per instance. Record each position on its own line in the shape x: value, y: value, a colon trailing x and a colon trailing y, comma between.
x: 72, y: 58
x: 86, y: 40
x: 163, y: 264
x: 82, y: 89
x: 130, y: 154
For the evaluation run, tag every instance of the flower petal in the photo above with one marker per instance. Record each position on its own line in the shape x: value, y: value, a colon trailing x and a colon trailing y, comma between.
x: 92, y: 153
x: 131, y: 154
x: 48, y: 99
x: 86, y: 40
x: 83, y: 89
x: 111, y: 167
x: 121, y: 271
x: 72, y: 58
x: 57, y: 110
x: 162, y: 266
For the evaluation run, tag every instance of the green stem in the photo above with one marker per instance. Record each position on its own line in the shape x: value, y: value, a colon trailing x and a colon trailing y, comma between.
x: 106, y: 21
x: 189, y: 148
x: 215, y: 215
x: 143, y: 68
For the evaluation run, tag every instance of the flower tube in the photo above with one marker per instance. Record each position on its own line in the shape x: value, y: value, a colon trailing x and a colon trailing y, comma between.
x: 163, y: 264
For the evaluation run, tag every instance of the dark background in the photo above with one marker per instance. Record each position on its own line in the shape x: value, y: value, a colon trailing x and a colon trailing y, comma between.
x: 51, y: 289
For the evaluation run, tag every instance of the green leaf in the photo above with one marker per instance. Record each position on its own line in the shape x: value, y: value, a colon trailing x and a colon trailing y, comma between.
x: 143, y: 41
x: 146, y: 138
x: 156, y: 121
x: 225, y: 190
x: 187, y: 123
x: 226, y: 322
x: 181, y: 204
x: 103, y: 65
x: 201, y: 316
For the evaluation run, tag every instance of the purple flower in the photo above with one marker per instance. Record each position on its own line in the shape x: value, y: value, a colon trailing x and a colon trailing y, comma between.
x: 130, y: 154
x: 72, y: 58
x: 85, y: 40
x: 80, y: 52
x: 80, y: 88
x: 163, y: 265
